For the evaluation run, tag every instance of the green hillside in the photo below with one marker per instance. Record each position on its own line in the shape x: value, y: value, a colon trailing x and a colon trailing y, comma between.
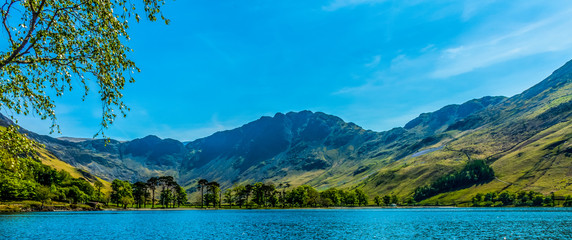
x: 525, y: 139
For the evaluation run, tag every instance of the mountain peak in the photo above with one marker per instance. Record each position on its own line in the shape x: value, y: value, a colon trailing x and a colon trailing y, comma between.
x: 433, y: 122
x: 565, y: 69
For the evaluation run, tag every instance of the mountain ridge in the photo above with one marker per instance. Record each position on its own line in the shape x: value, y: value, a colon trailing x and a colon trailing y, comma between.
x: 325, y: 151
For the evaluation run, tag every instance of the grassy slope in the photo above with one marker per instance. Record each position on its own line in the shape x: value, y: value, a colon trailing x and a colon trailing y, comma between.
x: 527, y: 143
x: 542, y: 164
x: 49, y: 159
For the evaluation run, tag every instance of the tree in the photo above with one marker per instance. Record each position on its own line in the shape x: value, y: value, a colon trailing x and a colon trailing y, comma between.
x: 76, y: 195
x: 478, y: 198
x: 50, y: 44
x: 152, y: 185
x: 167, y: 185
x: 377, y: 200
x: 282, y: 198
x: 212, y: 196
x: 121, y: 192
x: 44, y: 195
x: 201, y: 186
x: 332, y: 194
x: 126, y: 200
x: 302, y: 196
x: 386, y: 199
x: 258, y: 194
x: 361, y: 197
x: 394, y: 199
x: 228, y: 197
x: 165, y: 197
x: 506, y: 198
x: 84, y: 186
x: 246, y: 192
x: 240, y: 193
x: 16, y: 164
x: 181, y: 196
x: 350, y: 198
x: 139, y: 193
x: 98, y: 185
x: 313, y: 196
x: 298, y: 196
x: 567, y: 201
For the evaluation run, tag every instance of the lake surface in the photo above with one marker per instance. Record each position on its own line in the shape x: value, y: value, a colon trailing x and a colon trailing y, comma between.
x: 442, y: 223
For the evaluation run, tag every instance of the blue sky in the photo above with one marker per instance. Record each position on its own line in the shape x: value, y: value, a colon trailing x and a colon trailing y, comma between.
x: 379, y: 64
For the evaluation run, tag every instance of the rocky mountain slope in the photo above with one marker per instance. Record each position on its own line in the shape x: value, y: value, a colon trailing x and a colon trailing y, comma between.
x: 524, y: 138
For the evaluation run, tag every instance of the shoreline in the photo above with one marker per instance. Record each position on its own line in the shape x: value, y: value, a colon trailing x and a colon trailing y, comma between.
x: 223, y: 209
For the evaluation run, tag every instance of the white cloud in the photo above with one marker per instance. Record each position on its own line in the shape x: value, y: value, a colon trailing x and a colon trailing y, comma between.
x: 472, y: 8
x: 337, y: 4
x: 374, y: 62
x: 547, y: 35
x: 428, y: 48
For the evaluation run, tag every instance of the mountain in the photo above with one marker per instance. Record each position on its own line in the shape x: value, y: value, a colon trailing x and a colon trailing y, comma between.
x: 440, y: 120
x: 275, y: 148
x: 133, y: 160
x: 524, y: 138
x: 296, y: 148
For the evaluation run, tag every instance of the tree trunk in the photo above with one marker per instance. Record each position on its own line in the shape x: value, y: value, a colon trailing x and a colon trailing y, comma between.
x: 153, y: 199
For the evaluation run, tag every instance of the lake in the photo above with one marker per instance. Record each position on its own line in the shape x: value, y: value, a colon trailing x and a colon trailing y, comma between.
x: 413, y: 223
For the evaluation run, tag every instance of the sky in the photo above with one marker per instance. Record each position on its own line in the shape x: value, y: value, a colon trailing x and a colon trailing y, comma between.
x: 221, y: 64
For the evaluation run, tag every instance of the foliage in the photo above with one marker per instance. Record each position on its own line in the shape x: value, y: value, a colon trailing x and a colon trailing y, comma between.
x: 181, y: 195
x: 24, y: 178
x: 333, y: 195
x: 202, y: 183
x: 228, y: 198
x: 568, y: 201
x: 475, y: 172
x: 264, y: 195
x: 121, y: 192
x: 361, y: 197
x: 51, y: 44
x: 44, y: 194
x: 140, y: 193
x: 506, y: 198
x: 213, y: 193
x: 152, y: 186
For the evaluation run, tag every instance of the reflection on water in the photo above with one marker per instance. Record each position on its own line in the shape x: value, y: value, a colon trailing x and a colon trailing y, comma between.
x: 449, y: 223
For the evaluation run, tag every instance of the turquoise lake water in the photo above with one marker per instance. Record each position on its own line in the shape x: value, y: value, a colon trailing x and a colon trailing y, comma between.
x: 436, y: 223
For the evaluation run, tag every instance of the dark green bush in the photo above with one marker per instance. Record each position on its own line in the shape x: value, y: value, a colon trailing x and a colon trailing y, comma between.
x: 475, y: 172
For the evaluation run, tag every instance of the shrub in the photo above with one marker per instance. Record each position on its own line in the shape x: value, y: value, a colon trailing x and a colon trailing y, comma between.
x: 476, y: 171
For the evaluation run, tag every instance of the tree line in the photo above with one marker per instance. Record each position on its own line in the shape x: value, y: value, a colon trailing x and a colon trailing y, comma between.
x: 474, y: 172
x: 268, y: 195
x: 26, y: 178
x: 141, y: 194
x: 518, y: 199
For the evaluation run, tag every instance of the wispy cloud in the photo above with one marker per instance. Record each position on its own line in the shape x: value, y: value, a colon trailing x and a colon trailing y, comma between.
x: 546, y: 35
x: 374, y: 62
x: 337, y: 4
x: 472, y: 8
